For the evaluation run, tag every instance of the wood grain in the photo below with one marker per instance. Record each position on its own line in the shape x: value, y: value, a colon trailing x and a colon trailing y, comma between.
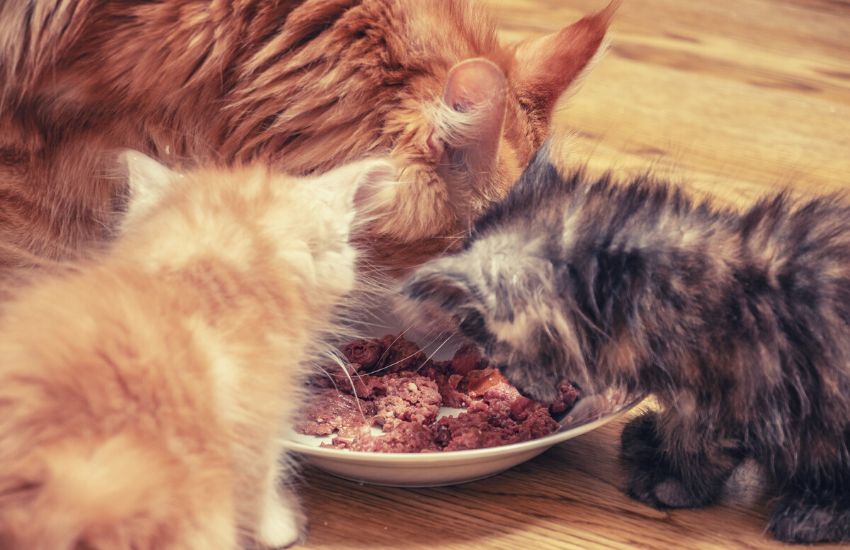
x: 732, y: 98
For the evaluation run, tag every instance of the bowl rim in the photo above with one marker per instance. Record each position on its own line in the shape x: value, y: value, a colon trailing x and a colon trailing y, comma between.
x: 559, y: 436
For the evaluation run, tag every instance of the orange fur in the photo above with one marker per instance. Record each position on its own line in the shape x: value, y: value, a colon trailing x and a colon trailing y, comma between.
x: 144, y: 392
x: 303, y: 85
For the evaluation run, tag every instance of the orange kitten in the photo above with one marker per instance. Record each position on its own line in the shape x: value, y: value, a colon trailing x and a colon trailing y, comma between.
x: 143, y: 394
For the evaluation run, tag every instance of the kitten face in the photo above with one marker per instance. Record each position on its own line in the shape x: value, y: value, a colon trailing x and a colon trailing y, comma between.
x: 497, y: 293
x: 506, y: 291
x: 336, y: 202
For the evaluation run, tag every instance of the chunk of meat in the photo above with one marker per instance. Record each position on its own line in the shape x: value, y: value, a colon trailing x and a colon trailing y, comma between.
x: 329, y: 411
x: 364, y: 386
x: 408, y: 399
x: 452, y: 395
x: 489, y: 380
x: 569, y: 394
x: 366, y: 353
x: 467, y: 358
x: 405, y: 437
x: 400, y: 355
x: 485, y: 425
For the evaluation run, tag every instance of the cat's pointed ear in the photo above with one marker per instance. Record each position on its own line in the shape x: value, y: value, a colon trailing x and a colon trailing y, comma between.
x: 444, y: 288
x: 147, y: 180
x: 357, y: 185
x: 544, y: 68
x: 441, y: 297
x: 542, y: 171
x: 476, y: 96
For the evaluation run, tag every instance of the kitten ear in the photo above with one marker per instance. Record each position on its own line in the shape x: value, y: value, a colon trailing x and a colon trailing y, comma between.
x: 475, y: 93
x: 545, y: 67
x: 542, y: 169
x: 443, y: 288
x: 439, y: 296
x: 147, y: 180
x: 354, y: 186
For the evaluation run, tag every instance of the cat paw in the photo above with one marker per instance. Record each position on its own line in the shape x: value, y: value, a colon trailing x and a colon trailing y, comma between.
x: 639, y: 451
x: 281, y: 523
x: 651, y: 478
x: 806, y: 523
x: 660, y: 488
x: 639, y: 442
x: 279, y: 530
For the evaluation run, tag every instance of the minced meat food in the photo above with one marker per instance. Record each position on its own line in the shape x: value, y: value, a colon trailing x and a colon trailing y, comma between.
x: 390, y: 384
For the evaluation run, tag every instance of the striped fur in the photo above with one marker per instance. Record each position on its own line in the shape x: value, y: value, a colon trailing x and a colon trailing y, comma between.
x: 300, y: 85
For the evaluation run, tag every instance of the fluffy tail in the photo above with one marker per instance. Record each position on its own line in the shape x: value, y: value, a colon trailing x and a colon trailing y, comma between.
x: 121, y: 495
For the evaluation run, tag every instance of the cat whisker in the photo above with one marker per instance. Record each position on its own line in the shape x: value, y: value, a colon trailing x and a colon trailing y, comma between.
x: 385, y: 367
x: 449, y: 337
x: 328, y: 374
x: 344, y: 368
x: 449, y: 246
x: 360, y: 322
x: 402, y: 333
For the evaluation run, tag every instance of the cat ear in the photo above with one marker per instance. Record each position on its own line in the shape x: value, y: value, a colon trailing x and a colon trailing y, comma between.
x: 147, y: 180
x: 475, y: 94
x: 541, y: 171
x: 443, y: 288
x: 545, y: 67
x: 440, y: 296
x: 356, y: 185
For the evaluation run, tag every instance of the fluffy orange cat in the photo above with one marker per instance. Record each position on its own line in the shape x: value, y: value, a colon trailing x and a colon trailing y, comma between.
x: 302, y: 85
x: 143, y: 393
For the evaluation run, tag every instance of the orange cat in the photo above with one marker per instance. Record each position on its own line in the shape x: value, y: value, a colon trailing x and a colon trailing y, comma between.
x: 143, y: 393
x: 302, y: 85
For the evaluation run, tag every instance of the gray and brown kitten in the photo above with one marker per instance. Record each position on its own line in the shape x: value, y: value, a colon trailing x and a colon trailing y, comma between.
x: 739, y: 324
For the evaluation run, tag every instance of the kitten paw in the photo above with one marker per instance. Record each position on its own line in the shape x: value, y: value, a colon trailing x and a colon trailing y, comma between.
x: 660, y: 488
x: 652, y: 480
x: 807, y: 523
x: 639, y: 451
x: 281, y: 523
x: 639, y: 442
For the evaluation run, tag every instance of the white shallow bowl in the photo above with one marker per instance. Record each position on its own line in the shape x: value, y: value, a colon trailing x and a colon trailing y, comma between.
x: 453, y: 467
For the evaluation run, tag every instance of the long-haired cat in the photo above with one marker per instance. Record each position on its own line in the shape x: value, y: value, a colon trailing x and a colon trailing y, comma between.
x: 303, y: 85
x: 144, y: 392
x: 739, y: 324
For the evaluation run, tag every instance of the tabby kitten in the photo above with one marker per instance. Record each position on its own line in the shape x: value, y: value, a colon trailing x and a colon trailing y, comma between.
x: 143, y: 394
x: 302, y: 85
x: 739, y: 324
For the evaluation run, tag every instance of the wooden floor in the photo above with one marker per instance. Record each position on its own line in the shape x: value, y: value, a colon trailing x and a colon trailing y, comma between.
x: 730, y: 97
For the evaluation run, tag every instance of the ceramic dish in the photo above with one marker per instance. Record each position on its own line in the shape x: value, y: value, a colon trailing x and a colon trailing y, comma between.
x: 453, y: 467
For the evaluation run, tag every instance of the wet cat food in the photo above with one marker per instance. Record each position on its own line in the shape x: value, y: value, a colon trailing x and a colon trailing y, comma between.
x: 390, y: 384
